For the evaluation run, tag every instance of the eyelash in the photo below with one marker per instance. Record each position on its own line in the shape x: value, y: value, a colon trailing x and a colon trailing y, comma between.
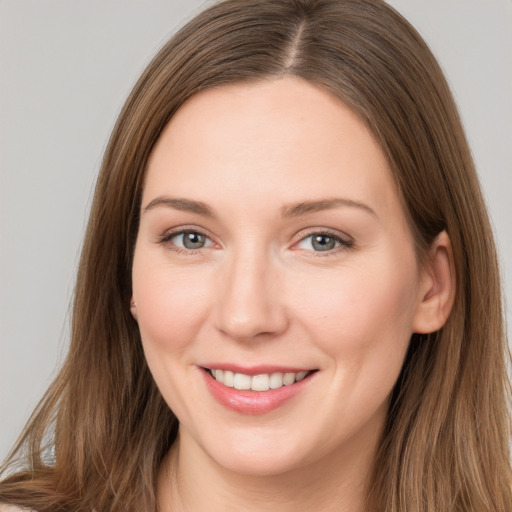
x: 167, y: 237
x: 344, y: 243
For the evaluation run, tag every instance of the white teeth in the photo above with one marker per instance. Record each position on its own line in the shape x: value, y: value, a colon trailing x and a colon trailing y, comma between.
x: 241, y: 381
x: 300, y: 376
x: 262, y: 382
x: 229, y: 379
x: 276, y: 380
x: 288, y: 379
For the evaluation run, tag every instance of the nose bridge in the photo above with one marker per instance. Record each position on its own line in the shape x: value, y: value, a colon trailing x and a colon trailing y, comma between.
x: 250, y: 303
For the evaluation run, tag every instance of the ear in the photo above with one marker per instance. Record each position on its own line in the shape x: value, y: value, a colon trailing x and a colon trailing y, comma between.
x: 437, y: 287
x: 133, y: 308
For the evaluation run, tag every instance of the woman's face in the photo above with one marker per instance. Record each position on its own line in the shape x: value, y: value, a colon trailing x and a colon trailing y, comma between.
x: 272, y: 242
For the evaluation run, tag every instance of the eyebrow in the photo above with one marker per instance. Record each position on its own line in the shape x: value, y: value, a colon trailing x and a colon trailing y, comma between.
x: 288, y: 211
x: 184, y: 205
x: 306, y: 207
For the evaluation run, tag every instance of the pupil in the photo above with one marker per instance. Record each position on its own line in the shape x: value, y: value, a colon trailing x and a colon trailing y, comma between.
x: 323, y: 243
x: 193, y: 240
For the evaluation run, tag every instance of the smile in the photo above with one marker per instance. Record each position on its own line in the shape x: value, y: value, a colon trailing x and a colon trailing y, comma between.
x: 262, y: 382
x: 256, y: 390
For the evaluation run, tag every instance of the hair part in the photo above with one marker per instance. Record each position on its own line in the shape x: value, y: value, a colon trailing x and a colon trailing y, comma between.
x: 445, y: 445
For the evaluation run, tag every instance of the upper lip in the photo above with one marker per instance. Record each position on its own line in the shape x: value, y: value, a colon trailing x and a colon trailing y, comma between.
x: 255, y: 369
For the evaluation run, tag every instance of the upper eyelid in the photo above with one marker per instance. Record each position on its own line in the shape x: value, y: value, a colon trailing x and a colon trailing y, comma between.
x: 343, y: 244
x: 302, y: 234
x: 169, y: 233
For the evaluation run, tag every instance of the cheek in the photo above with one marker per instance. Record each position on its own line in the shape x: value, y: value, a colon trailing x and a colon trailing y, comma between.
x: 365, y: 311
x: 171, y: 305
x: 361, y: 319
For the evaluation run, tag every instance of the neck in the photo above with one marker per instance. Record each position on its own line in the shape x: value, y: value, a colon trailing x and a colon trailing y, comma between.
x: 190, y: 480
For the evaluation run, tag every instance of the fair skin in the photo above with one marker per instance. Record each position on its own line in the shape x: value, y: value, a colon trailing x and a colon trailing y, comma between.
x: 233, y: 271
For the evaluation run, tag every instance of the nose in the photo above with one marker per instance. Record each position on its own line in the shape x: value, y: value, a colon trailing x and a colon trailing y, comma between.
x: 250, y: 301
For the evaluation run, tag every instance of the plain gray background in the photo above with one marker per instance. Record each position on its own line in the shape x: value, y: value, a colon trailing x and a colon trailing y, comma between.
x: 66, y: 68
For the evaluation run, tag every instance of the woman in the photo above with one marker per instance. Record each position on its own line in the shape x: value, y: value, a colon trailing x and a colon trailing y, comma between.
x: 295, y: 299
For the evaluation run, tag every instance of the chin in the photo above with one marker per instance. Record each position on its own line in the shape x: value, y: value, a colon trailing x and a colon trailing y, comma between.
x: 260, y: 465
x: 260, y: 456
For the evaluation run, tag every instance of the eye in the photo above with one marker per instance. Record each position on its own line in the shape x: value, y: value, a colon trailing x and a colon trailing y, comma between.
x: 188, y: 240
x: 323, y: 242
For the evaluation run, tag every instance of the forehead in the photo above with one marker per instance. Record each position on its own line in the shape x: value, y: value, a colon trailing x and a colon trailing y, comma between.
x: 275, y: 141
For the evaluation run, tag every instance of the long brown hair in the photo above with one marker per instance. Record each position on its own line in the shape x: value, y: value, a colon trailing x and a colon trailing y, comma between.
x: 99, y: 435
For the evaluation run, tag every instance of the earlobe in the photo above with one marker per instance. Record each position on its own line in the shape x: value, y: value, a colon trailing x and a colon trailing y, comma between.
x: 133, y: 308
x: 437, y: 287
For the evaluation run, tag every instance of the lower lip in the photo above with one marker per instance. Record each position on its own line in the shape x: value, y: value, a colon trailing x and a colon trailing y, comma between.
x: 253, y: 402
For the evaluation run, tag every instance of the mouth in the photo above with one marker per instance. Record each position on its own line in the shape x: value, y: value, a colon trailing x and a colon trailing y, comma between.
x: 256, y: 389
x: 259, y: 382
